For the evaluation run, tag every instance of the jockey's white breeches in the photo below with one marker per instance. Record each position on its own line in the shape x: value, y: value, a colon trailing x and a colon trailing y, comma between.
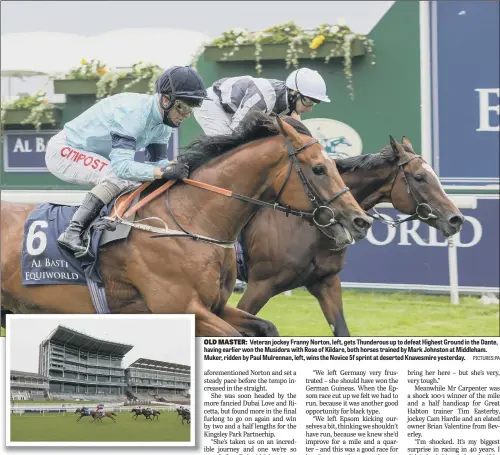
x: 78, y: 166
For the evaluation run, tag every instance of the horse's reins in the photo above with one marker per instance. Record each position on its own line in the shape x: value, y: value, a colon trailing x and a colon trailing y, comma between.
x: 418, y: 214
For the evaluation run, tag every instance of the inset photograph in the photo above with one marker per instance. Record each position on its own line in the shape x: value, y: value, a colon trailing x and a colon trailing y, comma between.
x: 85, y: 380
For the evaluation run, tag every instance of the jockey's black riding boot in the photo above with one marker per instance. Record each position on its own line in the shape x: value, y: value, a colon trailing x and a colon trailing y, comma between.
x: 71, y: 238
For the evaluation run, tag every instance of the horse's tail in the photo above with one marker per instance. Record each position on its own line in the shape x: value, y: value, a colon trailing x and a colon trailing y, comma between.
x: 113, y: 414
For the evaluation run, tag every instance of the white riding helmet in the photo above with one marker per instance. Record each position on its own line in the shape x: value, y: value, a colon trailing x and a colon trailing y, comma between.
x: 308, y: 83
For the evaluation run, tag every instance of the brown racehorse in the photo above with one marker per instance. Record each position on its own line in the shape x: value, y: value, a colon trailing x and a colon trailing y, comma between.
x: 179, y: 275
x: 285, y: 254
x: 95, y: 415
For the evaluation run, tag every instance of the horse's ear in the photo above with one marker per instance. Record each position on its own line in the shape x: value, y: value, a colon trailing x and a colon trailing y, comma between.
x: 406, y: 142
x: 393, y: 143
x: 290, y: 132
x: 397, y: 148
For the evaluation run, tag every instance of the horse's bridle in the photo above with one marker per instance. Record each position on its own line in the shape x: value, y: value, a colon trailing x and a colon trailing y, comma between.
x: 420, y: 205
x: 314, y: 197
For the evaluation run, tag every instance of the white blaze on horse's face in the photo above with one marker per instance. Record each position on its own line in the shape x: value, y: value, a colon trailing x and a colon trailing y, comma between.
x: 327, y: 158
x: 431, y: 171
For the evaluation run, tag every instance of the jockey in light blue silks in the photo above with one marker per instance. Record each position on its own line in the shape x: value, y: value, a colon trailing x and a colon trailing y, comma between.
x: 86, y: 410
x: 97, y: 148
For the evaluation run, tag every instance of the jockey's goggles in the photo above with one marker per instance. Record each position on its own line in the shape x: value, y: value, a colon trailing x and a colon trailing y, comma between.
x: 183, y: 108
x: 308, y: 102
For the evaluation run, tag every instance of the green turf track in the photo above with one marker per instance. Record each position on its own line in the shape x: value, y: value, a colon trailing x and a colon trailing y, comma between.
x: 64, y: 428
x: 384, y: 314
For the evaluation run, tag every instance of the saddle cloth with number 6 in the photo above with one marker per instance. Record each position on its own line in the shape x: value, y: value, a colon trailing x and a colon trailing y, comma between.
x: 42, y: 260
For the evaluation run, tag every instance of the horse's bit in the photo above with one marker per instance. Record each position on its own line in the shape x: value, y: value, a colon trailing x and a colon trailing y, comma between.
x: 419, y: 207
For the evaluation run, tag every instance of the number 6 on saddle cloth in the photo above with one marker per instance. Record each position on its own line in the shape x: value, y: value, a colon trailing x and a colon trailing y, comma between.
x: 44, y: 262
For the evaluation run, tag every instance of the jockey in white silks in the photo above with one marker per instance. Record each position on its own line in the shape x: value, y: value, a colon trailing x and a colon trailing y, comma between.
x: 230, y: 99
x: 97, y: 148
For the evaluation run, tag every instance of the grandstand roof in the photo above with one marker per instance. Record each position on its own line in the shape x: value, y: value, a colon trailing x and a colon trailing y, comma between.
x: 27, y: 374
x: 72, y: 337
x: 158, y: 365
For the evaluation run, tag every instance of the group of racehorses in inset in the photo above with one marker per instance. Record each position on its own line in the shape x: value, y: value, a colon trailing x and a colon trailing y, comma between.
x: 268, y: 163
x: 150, y: 414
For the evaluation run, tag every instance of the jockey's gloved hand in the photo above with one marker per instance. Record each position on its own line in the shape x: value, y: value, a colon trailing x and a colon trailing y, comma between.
x: 176, y: 172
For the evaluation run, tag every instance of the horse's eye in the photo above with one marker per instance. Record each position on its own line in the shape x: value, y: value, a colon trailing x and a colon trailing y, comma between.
x: 319, y: 170
x: 419, y: 178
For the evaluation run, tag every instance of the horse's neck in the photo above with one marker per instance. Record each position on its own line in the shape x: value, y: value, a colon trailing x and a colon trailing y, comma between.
x: 368, y: 185
x: 250, y: 171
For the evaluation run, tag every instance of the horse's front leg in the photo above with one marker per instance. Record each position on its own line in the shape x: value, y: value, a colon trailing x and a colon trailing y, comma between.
x: 328, y: 291
x: 248, y: 324
x: 256, y: 295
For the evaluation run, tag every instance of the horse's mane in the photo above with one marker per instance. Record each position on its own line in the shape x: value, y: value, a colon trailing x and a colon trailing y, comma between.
x: 257, y: 125
x: 368, y: 161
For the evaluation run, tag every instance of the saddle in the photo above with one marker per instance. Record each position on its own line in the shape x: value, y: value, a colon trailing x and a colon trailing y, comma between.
x: 44, y: 262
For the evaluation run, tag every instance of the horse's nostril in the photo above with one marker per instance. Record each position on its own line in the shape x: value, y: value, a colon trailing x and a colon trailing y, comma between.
x: 362, y: 224
x: 456, y: 220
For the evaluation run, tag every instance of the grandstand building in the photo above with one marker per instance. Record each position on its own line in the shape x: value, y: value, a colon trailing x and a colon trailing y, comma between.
x: 152, y: 379
x: 78, y: 364
x: 28, y: 386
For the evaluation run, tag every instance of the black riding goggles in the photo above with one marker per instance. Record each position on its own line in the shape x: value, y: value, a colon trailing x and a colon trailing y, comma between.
x: 308, y: 102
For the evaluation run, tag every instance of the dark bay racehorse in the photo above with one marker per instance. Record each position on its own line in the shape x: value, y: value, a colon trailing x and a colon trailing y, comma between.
x: 184, y: 413
x: 266, y: 161
x: 284, y: 254
x: 148, y: 413
x: 137, y: 412
x: 155, y: 413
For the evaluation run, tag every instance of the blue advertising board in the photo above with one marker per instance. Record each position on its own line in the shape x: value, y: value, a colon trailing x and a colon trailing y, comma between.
x: 415, y: 256
x: 24, y: 151
x: 465, y: 91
